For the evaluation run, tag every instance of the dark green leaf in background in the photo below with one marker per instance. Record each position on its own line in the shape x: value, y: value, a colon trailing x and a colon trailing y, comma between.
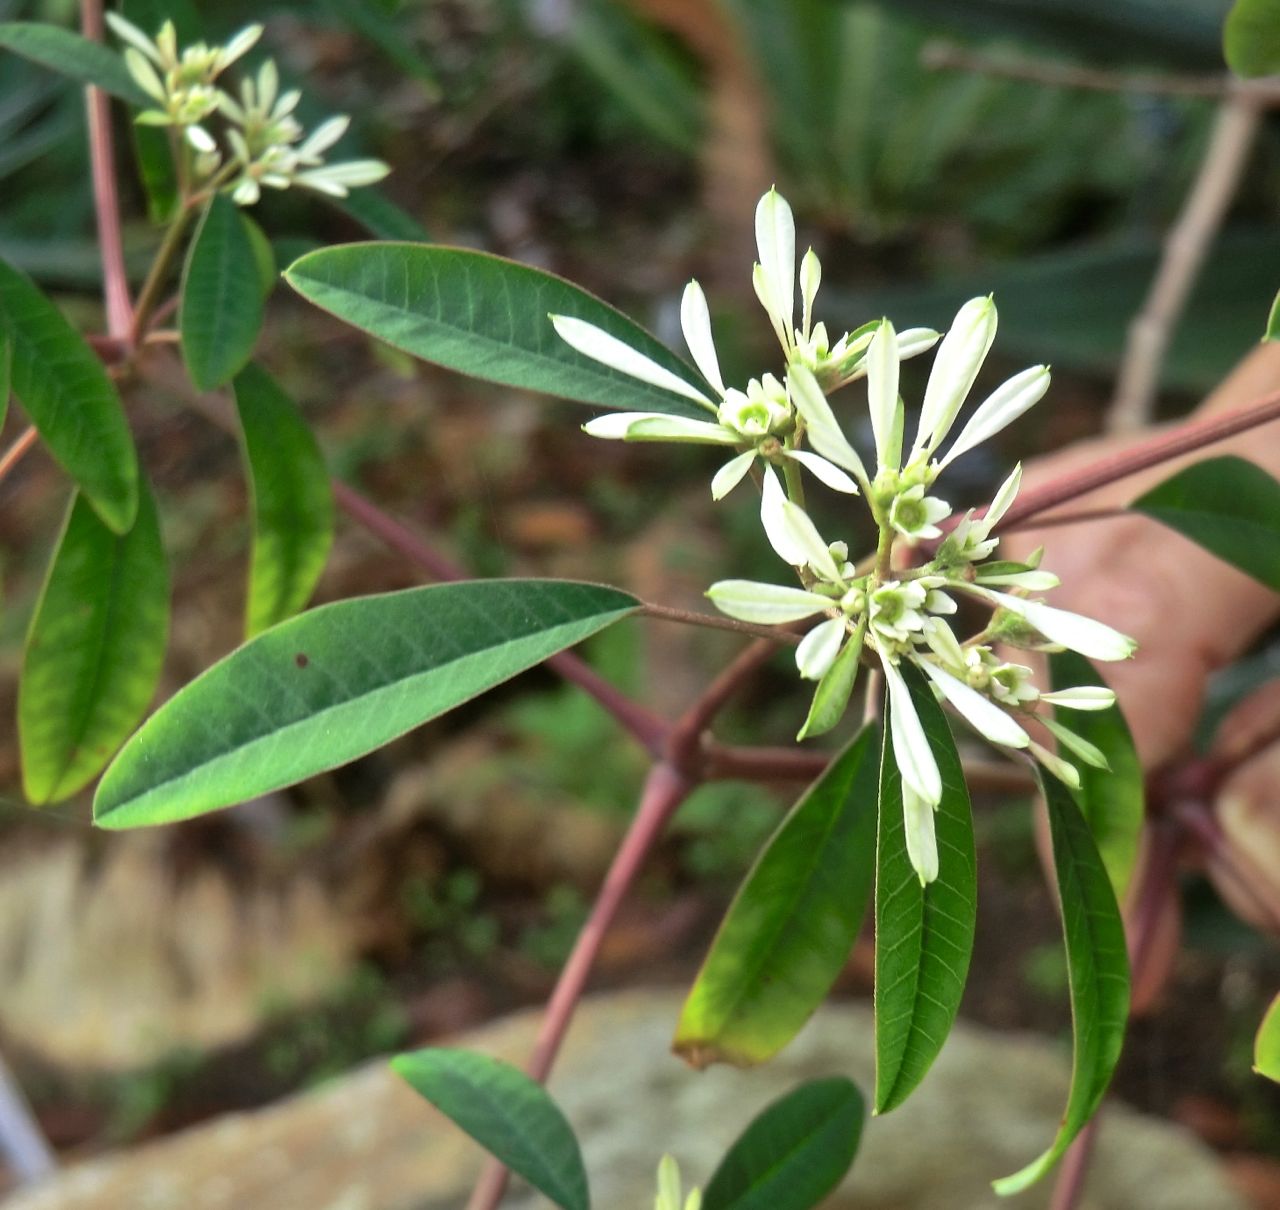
x: 6, y: 371
x: 795, y: 1151
x: 94, y: 649
x: 1098, y: 970
x: 337, y: 682
x: 69, y: 398
x: 924, y: 934
x: 1251, y: 38
x: 71, y: 55
x: 788, y: 933
x: 1112, y: 800
x: 222, y: 296
x: 507, y: 1113
x: 292, y: 501
x: 1227, y: 505
x: 1266, y: 1046
x: 379, y: 216
x: 484, y: 316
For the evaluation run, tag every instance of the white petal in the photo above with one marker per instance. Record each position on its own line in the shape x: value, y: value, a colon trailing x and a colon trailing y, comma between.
x: 656, y: 426
x: 960, y: 356
x: 1063, y: 770
x: 143, y: 73
x: 324, y: 136
x: 922, y: 841
x: 942, y: 641
x: 824, y: 471
x: 819, y: 648
x: 1085, y: 635
x: 810, y: 279
x: 773, y: 517
x: 1077, y: 745
x: 695, y: 320
x: 1081, y: 697
x: 776, y: 242
x: 126, y: 31
x: 240, y: 44
x: 246, y: 193
x: 824, y: 433
x: 1001, y: 408
x: 731, y: 474
x: 914, y: 341
x: 1003, y: 498
x: 597, y: 344
x: 350, y: 174
x: 766, y: 604
x: 804, y: 535
x: 882, y: 392
x: 987, y: 718
x: 1033, y: 580
x: 939, y: 602
x: 201, y: 139
x: 911, y: 748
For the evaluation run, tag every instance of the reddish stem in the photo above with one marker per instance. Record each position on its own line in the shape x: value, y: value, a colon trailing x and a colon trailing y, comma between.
x: 1185, y: 440
x: 684, y: 746
x: 664, y: 791
x: 106, y: 199
x: 13, y: 455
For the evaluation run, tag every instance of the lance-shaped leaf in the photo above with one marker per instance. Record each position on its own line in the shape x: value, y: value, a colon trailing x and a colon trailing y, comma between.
x: 1266, y: 1046
x: 69, y: 398
x: 507, y: 1113
x: 1251, y: 38
x: 1273, y: 320
x: 1098, y: 971
x: 1112, y: 800
x: 71, y: 55
x: 292, y: 501
x: 794, y: 1152
x: 1230, y: 507
x: 487, y: 317
x: 924, y: 934
x: 94, y: 649
x: 221, y: 296
x: 379, y: 216
x: 337, y: 682
x: 789, y: 931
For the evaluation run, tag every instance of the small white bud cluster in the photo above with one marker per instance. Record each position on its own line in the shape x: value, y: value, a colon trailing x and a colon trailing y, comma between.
x: 264, y: 144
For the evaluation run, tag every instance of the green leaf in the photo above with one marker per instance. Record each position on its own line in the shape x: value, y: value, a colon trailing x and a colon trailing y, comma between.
x: 221, y: 296
x: 1230, y: 507
x: 264, y: 256
x: 1112, y: 800
x: 337, y: 682
x: 484, y: 316
x: 1251, y: 38
x: 1266, y: 1046
x: 379, y: 216
x: 70, y: 400
x: 94, y: 649
x: 6, y: 371
x: 1098, y: 969
x: 924, y: 934
x: 1273, y: 321
x: 507, y: 1113
x: 292, y: 501
x: 831, y: 698
x: 794, y: 1152
x: 789, y: 931
x: 71, y: 55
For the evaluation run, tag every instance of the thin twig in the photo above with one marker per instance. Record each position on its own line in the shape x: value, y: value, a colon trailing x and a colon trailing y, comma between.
x: 106, y: 199
x: 13, y: 455
x: 1185, y: 249
x: 1186, y: 439
x: 948, y: 57
x: 664, y: 791
x: 684, y: 746
x: 158, y: 274
x: 667, y: 613
x: 1075, y: 1167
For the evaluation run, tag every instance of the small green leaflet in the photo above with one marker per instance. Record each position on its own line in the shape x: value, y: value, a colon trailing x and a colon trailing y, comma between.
x: 794, y: 1152
x: 1273, y: 321
x: 924, y: 934
x: 1098, y: 970
x: 222, y: 296
x: 1230, y: 507
x: 789, y: 931
x: 507, y: 1113
x: 292, y: 501
x: 487, y: 317
x: 1112, y: 800
x: 1251, y: 38
x: 1266, y: 1046
x: 94, y: 649
x: 337, y: 682
x: 71, y: 55
x: 69, y: 398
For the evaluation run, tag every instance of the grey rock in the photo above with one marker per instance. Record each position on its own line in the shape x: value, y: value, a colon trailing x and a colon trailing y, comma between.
x: 366, y: 1142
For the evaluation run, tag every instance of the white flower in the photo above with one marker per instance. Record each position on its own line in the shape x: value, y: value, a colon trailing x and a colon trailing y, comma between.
x: 911, y: 748
x: 1072, y: 630
x: 959, y: 358
x: 670, y: 1191
x: 915, y: 515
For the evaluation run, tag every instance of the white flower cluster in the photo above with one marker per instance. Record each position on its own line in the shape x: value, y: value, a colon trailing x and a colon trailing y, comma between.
x: 880, y: 611
x: 265, y: 144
